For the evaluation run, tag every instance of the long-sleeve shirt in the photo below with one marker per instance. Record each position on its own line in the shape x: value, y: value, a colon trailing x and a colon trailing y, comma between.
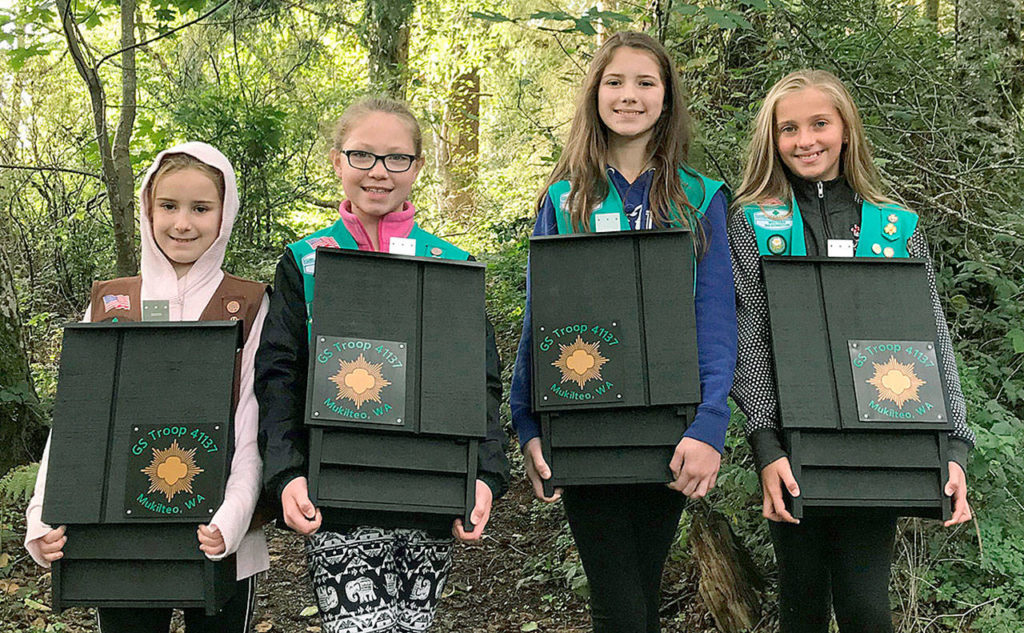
x: 714, y: 305
x: 835, y: 213
x: 281, y: 374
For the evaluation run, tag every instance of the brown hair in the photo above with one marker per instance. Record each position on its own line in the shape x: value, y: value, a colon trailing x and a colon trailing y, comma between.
x: 368, y: 105
x: 586, y: 151
x: 171, y: 163
x: 763, y: 175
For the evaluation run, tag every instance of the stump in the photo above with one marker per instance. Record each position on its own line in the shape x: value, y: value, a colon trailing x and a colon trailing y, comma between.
x: 729, y: 580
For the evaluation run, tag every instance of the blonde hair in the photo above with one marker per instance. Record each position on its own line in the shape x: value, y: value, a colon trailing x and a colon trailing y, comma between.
x: 764, y: 177
x: 171, y: 163
x: 355, y: 112
x: 585, y: 155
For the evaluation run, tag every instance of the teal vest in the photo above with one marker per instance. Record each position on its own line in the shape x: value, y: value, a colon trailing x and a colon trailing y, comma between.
x: 884, y: 229
x: 695, y: 186
x: 337, y: 236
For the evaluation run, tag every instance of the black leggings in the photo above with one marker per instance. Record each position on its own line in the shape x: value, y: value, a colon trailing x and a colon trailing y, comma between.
x: 839, y: 561
x: 623, y: 534
x: 234, y: 616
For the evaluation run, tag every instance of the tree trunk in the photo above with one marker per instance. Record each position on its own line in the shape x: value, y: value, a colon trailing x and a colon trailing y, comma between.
x: 659, y: 16
x: 22, y: 432
x: 459, y: 143
x: 385, y: 34
x: 117, y: 170
x: 931, y: 10
x: 729, y: 580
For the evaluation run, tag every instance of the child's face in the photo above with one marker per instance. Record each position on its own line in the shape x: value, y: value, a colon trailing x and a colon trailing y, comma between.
x: 810, y: 134
x: 186, y: 213
x: 377, y: 192
x: 631, y: 94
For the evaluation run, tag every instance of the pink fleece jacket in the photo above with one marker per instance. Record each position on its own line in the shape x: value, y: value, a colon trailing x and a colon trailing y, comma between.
x: 395, y: 224
x: 187, y: 297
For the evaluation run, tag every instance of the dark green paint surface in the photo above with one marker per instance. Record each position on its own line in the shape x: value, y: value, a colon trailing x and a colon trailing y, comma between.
x: 832, y: 320
x: 411, y: 463
x: 125, y: 389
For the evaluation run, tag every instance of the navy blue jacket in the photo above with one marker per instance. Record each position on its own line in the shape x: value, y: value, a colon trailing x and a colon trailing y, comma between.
x: 714, y: 305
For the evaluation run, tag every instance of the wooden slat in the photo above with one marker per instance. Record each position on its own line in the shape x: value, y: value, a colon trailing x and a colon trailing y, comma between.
x: 453, y: 361
x: 870, y: 450
x: 398, y: 488
x: 136, y: 581
x: 866, y: 487
x: 393, y: 451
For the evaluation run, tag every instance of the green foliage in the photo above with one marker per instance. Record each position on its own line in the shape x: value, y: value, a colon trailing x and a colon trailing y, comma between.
x: 18, y: 483
x: 263, y: 82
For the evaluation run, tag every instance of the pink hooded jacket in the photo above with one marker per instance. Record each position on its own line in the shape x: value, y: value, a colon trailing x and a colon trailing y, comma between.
x: 187, y: 297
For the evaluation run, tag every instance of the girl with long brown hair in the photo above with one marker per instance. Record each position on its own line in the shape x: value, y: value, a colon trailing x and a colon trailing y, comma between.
x: 624, y: 167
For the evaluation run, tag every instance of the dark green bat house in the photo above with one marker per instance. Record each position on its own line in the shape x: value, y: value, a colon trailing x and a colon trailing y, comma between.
x: 862, y: 400
x: 396, y: 402
x: 139, y: 456
x: 615, y: 375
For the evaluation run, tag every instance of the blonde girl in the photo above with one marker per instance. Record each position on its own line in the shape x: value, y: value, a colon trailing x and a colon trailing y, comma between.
x: 626, y: 152
x: 367, y: 578
x: 809, y: 187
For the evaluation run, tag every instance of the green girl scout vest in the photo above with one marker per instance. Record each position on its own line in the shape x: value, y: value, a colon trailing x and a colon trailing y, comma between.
x: 695, y: 186
x: 884, y: 229
x: 337, y: 236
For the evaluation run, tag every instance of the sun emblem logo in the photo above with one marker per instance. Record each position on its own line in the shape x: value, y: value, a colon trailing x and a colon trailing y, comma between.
x: 360, y: 380
x: 896, y: 381
x: 172, y: 470
x: 580, y: 361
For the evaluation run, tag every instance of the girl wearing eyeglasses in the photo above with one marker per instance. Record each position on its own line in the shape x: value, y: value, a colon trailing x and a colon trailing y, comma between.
x: 366, y: 578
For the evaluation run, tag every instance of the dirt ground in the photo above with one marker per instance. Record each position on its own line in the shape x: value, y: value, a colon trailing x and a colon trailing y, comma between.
x: 515, y: 581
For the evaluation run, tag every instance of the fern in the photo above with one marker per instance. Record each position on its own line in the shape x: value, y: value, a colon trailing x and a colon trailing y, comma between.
x: 19, y: 481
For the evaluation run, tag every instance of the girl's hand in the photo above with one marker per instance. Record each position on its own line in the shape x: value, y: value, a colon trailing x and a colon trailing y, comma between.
x: 773, y: 477
x: 299, y: 512
x: 480, y: 515
x: 956, y: 487
x: 537, y: 469
x: 211, y: 541
x: 695, y: 467
x: 51, y: 544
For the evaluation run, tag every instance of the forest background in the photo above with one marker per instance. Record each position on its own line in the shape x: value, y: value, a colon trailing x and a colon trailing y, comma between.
x: 90, y: 91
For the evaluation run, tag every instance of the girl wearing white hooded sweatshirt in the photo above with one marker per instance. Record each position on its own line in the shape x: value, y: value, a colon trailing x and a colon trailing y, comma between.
x: 188, y: 203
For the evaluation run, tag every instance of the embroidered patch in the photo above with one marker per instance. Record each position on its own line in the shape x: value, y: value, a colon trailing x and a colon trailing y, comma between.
x: 309, y: 263
x: 771, y: 223
x: 324, y: 242
x: 777, y: 244
x: 116, y: 302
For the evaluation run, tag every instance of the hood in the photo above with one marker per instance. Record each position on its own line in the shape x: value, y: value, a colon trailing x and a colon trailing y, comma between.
x: 159, y: 280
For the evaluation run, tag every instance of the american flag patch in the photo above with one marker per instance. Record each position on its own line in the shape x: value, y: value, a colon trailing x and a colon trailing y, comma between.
x: 326, y: 242
x: 116, y: 302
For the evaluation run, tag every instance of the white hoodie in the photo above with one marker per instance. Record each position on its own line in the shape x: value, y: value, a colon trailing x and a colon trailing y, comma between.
x: 187, y: 297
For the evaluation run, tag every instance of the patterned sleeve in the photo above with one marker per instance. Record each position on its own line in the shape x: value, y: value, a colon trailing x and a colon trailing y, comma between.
x: 962, y: 436
x: 753, y: 386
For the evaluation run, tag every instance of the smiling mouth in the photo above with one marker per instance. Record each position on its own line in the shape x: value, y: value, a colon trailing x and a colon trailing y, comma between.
x: 376, y: 190
x: 184, y: 240
x: 628, y: 112
x: 810, y: 158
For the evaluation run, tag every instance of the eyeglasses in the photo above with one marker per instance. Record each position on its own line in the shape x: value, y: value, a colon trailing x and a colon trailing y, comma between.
x: 395, y: 163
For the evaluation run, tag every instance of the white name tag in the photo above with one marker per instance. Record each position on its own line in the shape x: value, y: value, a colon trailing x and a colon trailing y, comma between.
x: 156, y: 310
x: 606, y: 222
x: 840, y: 248
x: 402, y: 246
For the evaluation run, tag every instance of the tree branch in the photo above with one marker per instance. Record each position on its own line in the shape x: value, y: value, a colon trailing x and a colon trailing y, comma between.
x: 67, y: 170
x: 320, y: 202
x: 163, y: 35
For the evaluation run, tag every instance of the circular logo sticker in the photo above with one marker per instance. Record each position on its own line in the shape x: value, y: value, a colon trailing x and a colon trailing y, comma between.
x: 777, y: 244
